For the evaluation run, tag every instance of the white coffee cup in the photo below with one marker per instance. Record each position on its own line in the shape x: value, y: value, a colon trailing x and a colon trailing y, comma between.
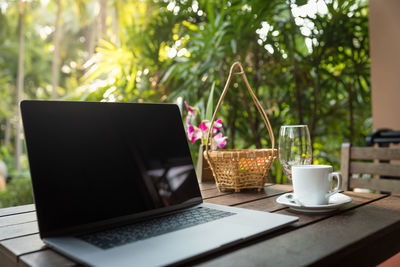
x: 312, y: 184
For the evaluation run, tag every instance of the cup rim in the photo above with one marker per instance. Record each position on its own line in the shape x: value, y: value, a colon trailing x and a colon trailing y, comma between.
x: 312, y: 166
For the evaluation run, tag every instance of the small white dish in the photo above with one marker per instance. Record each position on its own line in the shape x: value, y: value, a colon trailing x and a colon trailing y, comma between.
x: 335, y: 201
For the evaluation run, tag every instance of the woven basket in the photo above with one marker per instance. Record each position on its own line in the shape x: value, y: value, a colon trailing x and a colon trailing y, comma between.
x: 237, y: 169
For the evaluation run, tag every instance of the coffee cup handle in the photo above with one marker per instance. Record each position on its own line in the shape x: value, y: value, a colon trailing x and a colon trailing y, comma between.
x: 338, y: 177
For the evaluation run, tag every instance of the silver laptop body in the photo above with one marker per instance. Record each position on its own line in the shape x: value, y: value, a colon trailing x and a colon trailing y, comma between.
x: 101, y: 168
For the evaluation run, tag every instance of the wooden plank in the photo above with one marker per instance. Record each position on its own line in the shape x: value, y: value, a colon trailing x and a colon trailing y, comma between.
x: 344, y: 165
x: 370, y: 153
x: 32, y: 243
x: 266, y: 204
x: 386, y: 185
x: 6, y: 261
x: 375, y: 168
x: 204, y: 186
x: 45, y: 258
x: 358, y: 199
x: 336, y: 240
x: 213, y: 192
x: 237, y: 198
x: 17, y: 209
x: 380, y: 242
x: 17, y: 218
x: 248, y: 196
x: 16, y: 247
x: 18, y: 230
x: 207, y: 185
x: 270, y: 205
x: 282, y: 188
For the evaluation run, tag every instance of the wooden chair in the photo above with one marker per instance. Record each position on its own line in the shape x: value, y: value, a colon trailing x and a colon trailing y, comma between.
x: 368, y: 160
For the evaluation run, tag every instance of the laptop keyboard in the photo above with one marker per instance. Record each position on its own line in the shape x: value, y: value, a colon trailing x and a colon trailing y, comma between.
x: 153, y: 227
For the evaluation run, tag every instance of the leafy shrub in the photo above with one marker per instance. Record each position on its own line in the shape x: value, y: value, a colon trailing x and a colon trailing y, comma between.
x: 18, y: 192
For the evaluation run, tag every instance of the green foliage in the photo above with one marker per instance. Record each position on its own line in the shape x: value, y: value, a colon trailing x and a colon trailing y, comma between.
x: 6, y: 157
x: 324, y: 81
x: 18, y: 192
x: 305, y: 68
x: 210, y: 104
x: 18, y: 189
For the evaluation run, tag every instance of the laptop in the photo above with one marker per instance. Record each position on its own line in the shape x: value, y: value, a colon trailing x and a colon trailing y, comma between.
x: 114, y: 185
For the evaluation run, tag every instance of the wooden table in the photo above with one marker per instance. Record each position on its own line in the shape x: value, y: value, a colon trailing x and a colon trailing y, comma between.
x: 364, y: 232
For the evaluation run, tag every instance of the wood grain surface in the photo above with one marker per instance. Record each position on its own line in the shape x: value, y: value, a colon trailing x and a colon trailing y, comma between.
x: 369, y: 221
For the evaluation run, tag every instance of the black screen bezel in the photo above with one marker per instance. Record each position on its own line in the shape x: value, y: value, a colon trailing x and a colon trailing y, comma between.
x: 29, y: 106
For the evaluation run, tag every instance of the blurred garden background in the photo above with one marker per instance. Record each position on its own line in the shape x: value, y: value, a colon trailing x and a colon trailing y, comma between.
x: 307, y: 61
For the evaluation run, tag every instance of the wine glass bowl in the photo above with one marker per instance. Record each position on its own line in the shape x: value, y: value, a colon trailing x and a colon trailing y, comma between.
x: 294, y: 147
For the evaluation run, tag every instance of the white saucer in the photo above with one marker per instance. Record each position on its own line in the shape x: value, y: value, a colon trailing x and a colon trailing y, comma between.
x: 335, y: 201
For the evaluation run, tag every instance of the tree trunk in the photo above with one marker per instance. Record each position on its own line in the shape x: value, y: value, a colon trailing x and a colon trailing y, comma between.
x: 296, y: 78
x: 315, y: 110
x: 351, y: 126
x: 231, y: 124
x: 257, y: 81
x: 298, y: 92
x: 56, y: 54
x: 115, y: 26
x: 253, y: 116
x: 7, y: 133
x: 20, y: 84
x: 252, y: 119
x: 91, y: 38
x: 103, y: 17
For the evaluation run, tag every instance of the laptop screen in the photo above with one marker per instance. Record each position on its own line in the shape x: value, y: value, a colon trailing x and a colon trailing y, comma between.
x: 92, y: 162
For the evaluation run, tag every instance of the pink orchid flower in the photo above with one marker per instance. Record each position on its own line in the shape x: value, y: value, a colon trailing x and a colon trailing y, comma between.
x: 217, y: 125
x: 193, y: 133
x: 192, y: 110
x: 219, y: 141
x: 191, y: 113
x: 203, y: 127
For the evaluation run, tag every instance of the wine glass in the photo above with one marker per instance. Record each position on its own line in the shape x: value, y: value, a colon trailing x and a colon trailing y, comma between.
x: 294, y: 147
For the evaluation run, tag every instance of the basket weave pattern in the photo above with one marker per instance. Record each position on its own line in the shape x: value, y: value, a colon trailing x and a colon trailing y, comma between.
x: 239, y: 169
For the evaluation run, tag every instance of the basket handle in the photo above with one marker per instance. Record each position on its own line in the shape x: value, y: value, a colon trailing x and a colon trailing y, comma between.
x: 253, y: 96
